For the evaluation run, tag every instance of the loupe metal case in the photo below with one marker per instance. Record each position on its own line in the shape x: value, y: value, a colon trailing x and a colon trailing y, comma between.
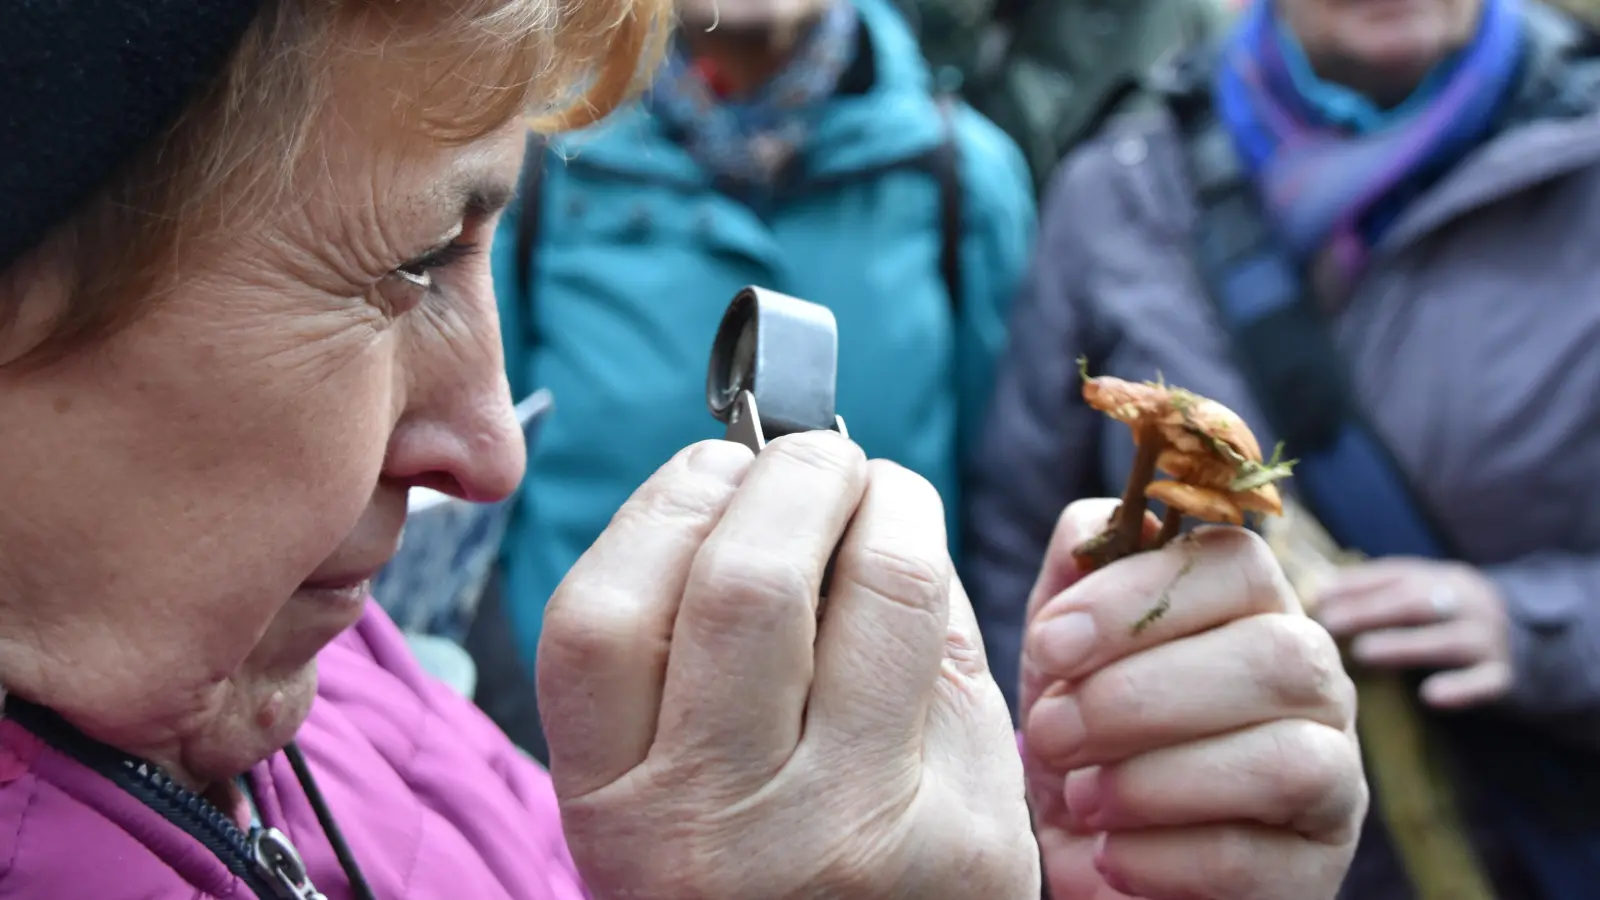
x: 774, y: 368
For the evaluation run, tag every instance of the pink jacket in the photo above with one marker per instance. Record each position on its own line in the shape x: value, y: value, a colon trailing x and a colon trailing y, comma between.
x: 434, y: 801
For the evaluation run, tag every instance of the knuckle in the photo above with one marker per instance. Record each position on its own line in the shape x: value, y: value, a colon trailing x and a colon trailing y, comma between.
x: 825, y: 451
x: 1253, y: 566
x: 1312, y: 769
x: 902, y: 573
x: 1111, y: 698
x: 1300, y: 667
x: 587, y: 629
x: 913, y: 494
x: 1232, y: 869
x: 738, y: 582
x: 687, y: 503
x: 965, y: 653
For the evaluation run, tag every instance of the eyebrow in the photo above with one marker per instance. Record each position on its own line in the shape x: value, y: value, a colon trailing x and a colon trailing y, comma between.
x: 483, y: 197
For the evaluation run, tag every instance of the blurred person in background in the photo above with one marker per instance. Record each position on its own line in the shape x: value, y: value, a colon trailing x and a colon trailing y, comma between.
x: 1392, y: 268
x: 1051, y: 72
x: 793, y: 144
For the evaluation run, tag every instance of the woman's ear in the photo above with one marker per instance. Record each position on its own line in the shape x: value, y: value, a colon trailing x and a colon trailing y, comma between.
x: 34, y: 292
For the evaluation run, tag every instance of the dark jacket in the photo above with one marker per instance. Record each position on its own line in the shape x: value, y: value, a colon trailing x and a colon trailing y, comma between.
x: 1050, y: 72
x: 1473, y: 343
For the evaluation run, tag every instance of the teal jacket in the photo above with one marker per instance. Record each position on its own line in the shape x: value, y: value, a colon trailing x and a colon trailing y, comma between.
x: 639, y: 254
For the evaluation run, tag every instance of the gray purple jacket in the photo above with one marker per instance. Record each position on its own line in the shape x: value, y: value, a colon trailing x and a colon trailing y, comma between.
x: 1473, y: 344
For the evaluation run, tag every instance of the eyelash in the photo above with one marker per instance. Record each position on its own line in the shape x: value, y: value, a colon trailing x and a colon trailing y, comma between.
x: 419, y: 272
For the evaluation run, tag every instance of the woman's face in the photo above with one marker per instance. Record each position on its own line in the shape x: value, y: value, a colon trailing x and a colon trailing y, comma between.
x: 745, y: 19
x: 192, y: 511
x: 1383, y: 48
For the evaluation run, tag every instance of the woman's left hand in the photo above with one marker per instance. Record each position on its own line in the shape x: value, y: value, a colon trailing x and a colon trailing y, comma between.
x: 1422, y: 614
x: 1210, y: 754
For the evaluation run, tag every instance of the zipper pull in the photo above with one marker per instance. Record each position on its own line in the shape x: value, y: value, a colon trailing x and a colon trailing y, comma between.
x: 279, y: 863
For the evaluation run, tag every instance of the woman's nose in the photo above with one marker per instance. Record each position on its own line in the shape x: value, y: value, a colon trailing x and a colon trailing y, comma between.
x: 459, y: 433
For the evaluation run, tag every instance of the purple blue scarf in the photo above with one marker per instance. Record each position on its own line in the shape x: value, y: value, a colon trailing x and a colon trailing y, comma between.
x: 1321, y: 183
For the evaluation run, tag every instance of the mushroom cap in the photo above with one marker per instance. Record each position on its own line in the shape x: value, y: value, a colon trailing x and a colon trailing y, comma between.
x: 1208, y: 470
x: 1200, y: 502
x: 1185, y: 419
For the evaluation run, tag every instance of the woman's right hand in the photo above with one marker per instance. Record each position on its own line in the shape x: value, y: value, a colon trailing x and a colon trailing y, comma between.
x: 1210, y: 754
x: 711, y: 737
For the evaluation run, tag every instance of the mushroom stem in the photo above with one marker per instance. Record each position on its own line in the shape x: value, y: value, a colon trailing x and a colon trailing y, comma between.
x: 1124, y: 534
x: 1129, y: 520
x: 1170, y: 523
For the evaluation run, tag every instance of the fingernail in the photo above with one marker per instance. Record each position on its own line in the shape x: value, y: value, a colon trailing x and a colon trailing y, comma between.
x: 1061, y: 644
x: 1102, y: 864
x: 724, y: 460
x: 1083, y: 792
x: 1365, y: 647
x: 1055, y: 729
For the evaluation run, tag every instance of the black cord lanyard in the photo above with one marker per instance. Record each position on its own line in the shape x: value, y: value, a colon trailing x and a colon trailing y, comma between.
x: 341, y: 849
x: 194, y: 813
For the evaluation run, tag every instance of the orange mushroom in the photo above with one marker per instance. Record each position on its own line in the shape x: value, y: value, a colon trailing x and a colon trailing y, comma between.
x: 1199, y: 502
x: 1217, y: 472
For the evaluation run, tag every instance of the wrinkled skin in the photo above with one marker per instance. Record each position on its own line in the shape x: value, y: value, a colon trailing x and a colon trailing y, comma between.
x: 1380, y: 48
x: 745, y: 749
x: 1210, y: 755
x: 194, y: 506
x: 753, y: 751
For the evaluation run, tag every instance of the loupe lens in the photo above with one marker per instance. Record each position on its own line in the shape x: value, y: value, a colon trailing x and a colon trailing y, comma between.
x: 733, y: 356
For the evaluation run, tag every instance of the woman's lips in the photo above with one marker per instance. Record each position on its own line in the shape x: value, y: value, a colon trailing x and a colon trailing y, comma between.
x: 345, y: 579
x: 342, y: 590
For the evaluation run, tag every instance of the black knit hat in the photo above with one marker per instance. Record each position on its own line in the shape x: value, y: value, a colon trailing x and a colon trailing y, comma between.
x: 85, y: 85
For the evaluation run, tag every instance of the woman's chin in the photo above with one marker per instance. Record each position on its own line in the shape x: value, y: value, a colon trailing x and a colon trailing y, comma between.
x: 1403, y: 38
x: 258, y: 714
x: 285, y: 708
x: 278, y: 706
x: 279, y: 680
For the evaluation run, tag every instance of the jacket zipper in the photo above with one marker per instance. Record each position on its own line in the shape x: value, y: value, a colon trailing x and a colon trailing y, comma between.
x: 262, y: 858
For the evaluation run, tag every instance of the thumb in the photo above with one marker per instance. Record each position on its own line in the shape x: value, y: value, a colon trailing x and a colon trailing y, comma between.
x: 1069, y: 868
x: 1078, y: 522
x: 1060, y: 570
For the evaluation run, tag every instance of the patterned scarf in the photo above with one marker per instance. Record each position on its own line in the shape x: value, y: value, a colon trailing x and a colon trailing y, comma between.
x: 1321, y: 183
x: 751, y: 139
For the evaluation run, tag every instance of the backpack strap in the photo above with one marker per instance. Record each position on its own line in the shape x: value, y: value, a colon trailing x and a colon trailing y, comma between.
x: 530, y: 219
x: 947, y: 170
